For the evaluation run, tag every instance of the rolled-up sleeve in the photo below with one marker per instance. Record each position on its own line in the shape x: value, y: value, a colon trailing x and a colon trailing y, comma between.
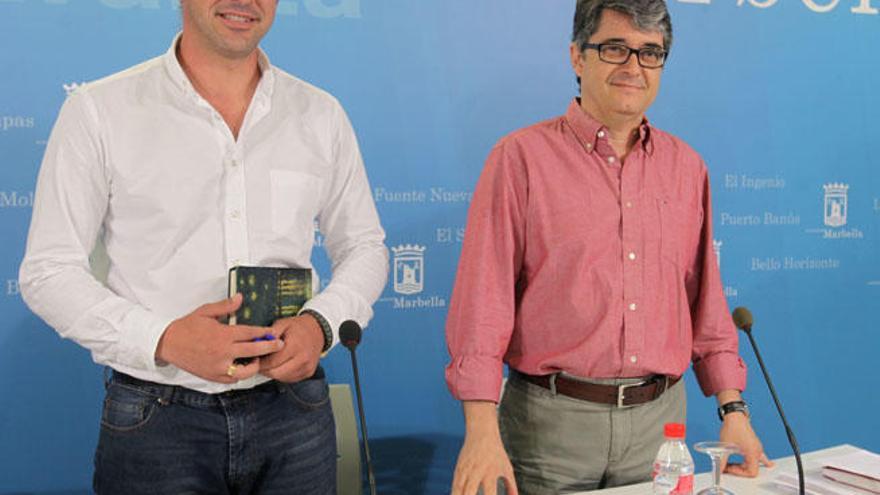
x: 715, y: 357
x: 483, y: 306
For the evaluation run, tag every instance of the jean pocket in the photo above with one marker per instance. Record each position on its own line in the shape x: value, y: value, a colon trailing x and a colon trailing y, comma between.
x: 126, y: 408
x: 310, y: 394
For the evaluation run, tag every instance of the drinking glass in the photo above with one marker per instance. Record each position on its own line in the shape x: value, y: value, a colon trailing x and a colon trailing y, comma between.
x: 716, y: 451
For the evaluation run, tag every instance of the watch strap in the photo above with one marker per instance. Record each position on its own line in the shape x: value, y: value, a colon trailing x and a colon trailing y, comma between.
x: 735, y: 406
x: 325, y: 328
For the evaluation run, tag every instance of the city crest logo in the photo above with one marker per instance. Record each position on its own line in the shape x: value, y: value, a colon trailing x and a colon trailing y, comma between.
x: 835, y: 204
x: 409, y: 281
x: 835, y: 208
x: 728, y: 291
x: 409, y: 269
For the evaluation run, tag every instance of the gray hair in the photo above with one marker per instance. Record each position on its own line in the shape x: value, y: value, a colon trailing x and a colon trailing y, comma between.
x: 647, y: 15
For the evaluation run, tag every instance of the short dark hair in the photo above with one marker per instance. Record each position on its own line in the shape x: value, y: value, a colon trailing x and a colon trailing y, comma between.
x: 647, y: 15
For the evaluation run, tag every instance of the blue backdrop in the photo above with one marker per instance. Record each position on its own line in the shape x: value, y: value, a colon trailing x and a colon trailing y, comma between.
x: 780, y: 97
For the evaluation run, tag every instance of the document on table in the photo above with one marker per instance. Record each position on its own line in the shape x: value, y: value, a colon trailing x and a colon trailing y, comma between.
x: 860, y: 469
x: 856, y: 473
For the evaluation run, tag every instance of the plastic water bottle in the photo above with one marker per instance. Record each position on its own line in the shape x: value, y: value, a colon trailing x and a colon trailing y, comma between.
x: 674, y: 466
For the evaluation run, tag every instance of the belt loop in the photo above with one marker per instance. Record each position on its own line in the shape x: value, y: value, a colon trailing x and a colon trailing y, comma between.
x: 552, y: 383
x: 108, y: 375
x: 661, y: 387
x: 166, y: 394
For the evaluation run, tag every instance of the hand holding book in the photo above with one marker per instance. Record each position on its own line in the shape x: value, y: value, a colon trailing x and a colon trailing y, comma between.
x: 298, y: 359
x: 200, y: 344
x: 269, y: 295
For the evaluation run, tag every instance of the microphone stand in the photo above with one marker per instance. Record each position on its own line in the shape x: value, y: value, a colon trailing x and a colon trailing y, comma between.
x: 791, y: 439
x: 357, y: 387
x: 350, y: 336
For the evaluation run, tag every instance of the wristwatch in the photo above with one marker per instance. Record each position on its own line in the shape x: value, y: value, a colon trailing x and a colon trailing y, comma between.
x: 325, y: 327
x: 735, y: 406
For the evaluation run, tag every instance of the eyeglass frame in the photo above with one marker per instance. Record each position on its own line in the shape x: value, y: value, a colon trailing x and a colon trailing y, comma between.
x: 637, y: 51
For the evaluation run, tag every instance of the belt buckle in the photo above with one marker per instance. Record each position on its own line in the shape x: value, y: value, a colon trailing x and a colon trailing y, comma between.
x: 621, y: 389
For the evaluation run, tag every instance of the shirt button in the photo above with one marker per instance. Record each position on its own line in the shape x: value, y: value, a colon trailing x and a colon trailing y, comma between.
x: 611, y: 159
x: 632, y: 306
x: 235, y: 214
x: 601, y: 134
x: 234, y: 163
x: 631, y: 256
x: 629, y: 204
x: 589, y: 146
x: 633, y: 359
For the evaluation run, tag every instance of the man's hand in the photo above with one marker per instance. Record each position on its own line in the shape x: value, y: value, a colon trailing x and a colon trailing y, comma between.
x: 298, y: 359
x: 737, y: 429
x: 482, y: 460
x: 201, y: 345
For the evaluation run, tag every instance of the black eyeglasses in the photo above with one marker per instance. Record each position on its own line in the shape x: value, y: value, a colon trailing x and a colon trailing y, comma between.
x: 615, y: 53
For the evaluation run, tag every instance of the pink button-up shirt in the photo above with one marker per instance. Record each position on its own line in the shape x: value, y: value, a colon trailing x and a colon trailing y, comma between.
x: 575, y: 262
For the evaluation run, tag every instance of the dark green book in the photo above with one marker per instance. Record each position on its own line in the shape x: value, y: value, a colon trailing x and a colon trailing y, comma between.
x: 269, y: 293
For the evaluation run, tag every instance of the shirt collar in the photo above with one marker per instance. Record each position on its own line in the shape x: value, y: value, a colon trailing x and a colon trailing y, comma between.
x: 180, y: 79
x: 590, y: 130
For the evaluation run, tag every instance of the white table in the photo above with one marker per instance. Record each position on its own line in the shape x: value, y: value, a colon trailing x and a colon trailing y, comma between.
x: 762, y: 485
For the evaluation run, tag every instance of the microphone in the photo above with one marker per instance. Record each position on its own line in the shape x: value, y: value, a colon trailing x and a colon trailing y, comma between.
x: 742, y: 318
x: 350, y: 334
x: 350, y: 337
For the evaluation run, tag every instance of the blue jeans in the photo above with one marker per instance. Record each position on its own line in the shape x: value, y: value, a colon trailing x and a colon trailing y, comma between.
x: 274, y: 438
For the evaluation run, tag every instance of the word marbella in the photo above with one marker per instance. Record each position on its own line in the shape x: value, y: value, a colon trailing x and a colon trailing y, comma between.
x: 316, y: 8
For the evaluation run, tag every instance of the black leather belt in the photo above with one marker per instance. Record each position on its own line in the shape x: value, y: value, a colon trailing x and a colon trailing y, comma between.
x: 631, y: 394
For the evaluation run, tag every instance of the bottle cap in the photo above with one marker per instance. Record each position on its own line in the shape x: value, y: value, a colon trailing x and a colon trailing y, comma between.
x: 674, y: 430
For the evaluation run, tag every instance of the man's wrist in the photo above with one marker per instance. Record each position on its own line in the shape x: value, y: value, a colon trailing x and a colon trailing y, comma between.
x: 481, y: 418
x: 160, y: 356
x: 326, y: 330
x: 732, y: 409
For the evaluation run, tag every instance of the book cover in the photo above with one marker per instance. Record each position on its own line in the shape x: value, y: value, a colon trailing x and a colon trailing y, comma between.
x: 268, y: 293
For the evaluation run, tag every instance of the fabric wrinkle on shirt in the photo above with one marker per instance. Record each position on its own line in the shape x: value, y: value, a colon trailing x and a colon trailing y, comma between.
x: 573, y: 262
x: 143, y: 158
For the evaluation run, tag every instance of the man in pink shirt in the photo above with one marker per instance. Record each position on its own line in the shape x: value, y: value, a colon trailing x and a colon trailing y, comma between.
x: 588, y: 268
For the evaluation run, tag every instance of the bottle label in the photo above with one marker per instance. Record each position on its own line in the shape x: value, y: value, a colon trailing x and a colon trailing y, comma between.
x: 685, y: 485
x: 669, y: 483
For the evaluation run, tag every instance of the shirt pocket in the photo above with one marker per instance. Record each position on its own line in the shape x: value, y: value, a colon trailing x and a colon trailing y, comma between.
x: 295, y: 198
x: 680, y: 226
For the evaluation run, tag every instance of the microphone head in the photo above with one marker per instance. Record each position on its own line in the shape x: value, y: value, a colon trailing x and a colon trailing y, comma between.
x: 742, y: 318
x: 350, y: 333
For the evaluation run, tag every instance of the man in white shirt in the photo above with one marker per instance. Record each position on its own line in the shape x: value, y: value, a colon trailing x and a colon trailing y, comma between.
x: 184, y: 166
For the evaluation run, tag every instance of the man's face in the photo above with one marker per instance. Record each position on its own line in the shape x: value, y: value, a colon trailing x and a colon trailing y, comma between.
x: 230, y: 28
x: 617, y: 90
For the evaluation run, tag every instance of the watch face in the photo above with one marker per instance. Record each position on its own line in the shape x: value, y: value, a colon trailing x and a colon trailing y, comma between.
x: 730, y: 407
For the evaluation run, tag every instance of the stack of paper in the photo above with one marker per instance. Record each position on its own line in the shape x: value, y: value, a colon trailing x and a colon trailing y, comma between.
x: 814, y: 484
x: 856, y: 473
x: 860, y: 469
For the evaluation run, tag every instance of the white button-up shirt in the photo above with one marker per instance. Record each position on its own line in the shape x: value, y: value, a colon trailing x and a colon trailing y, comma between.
x: 143, y: 163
